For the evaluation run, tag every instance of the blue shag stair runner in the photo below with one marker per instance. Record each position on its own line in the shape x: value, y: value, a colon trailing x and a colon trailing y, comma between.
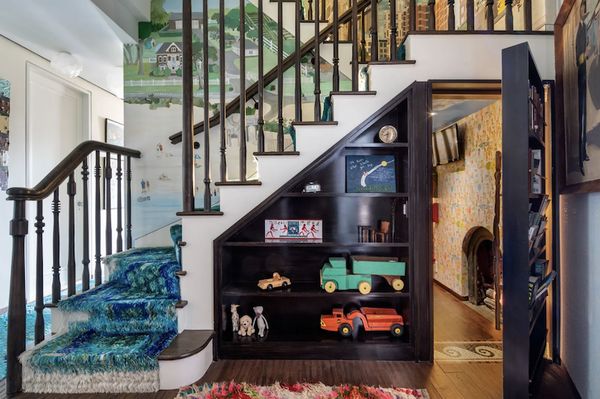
x: 115, y: 332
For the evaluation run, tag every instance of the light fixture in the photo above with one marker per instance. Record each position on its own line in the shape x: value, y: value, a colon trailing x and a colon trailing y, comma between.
x: 433, y: 113
x: 66, y: 64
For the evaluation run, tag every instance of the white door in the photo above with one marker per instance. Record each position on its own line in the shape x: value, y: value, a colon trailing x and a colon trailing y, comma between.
x: 58, y: 119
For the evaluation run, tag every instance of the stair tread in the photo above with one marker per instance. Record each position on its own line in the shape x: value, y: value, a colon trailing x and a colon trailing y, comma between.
x: 397, y: 62
x: 199, y: 213
x: 314, y: 123
x: 239, y: 183
x: 187, y: 344
x: 181, y: 304
x: 275, y: 153
x: 312, y: 21
x: 181, y: 273
x: 353, y: 93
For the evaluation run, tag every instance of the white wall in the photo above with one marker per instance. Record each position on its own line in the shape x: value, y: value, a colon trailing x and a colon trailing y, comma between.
x: 13, y: 68
x: 580, y: 279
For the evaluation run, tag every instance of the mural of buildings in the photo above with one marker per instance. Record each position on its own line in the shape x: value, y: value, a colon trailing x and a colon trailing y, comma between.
x: 169, y: 56
x: 4, y: 130
x: 176, y: 20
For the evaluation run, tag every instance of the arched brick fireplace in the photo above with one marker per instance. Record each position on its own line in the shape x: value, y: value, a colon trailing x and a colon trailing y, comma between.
x: 479, y: 261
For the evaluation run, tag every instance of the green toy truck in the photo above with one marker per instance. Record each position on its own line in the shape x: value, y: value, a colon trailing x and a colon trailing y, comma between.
x: 335, y: 275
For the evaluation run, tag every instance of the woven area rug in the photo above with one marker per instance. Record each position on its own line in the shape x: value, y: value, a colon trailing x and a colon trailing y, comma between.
x: 487, y: 351
x: 234, y: 390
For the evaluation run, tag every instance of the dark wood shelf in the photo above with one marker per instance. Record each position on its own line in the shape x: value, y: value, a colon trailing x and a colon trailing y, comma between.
x: 316, y: 244
x: 186, y: 344
x: 377, y: 145
x: 306, y: 290
x: 334, y: 195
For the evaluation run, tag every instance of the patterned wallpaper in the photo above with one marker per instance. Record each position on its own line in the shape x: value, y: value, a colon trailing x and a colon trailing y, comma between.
x: 466, y: 195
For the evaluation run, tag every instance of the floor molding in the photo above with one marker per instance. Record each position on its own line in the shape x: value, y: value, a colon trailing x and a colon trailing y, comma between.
x: 451, y: 291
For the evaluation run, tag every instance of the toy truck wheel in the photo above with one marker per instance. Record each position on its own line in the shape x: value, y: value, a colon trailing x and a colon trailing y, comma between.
x: 397, y: 284
x: 397, y: 330
x: 364, y: 287
x: 345, y: 330
x: 270, y: 287
x: 330, y: 287
x: 284, y: 284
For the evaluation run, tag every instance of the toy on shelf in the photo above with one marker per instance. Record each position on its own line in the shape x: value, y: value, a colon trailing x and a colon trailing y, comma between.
x: 335, y: 275
x: 275, y: 282
x: 371, y: 319
x: 260, y: 321
x: 370, y: 234
x: 246, y: 328
x: 235, y: 317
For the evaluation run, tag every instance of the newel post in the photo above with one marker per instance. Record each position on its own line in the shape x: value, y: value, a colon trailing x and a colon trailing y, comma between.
x: 16, y: 300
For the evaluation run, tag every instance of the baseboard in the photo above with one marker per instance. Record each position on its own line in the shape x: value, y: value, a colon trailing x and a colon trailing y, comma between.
x: 451, y: 291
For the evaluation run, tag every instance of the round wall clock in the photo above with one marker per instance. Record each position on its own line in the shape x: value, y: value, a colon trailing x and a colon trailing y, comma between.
x: 388, y: 134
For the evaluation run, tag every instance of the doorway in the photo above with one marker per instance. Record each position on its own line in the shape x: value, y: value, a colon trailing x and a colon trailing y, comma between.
x: 466, y: 135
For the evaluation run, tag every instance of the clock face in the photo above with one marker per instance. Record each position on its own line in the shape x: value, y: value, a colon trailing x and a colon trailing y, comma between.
x: 388, y: 134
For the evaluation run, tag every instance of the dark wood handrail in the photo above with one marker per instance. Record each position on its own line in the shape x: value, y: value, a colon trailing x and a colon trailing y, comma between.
x: 270, y: 76
x: 62, y: 171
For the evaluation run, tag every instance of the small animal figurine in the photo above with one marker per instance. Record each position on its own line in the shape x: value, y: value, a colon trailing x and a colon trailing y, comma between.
x: 235, y: 318
x: 246, y: 328
x: 260, y: 321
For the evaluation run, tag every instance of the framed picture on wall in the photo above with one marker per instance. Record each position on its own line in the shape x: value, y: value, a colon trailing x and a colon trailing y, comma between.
x: 114, y: 132
x: 370, y: 174
x: 577, y: 41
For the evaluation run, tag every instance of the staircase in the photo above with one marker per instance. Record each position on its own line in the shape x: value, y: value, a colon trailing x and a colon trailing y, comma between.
x: 174, y: 342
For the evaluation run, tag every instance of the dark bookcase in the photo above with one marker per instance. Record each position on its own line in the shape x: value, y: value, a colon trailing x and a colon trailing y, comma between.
x: 528, y: 269
x: 243, y: 257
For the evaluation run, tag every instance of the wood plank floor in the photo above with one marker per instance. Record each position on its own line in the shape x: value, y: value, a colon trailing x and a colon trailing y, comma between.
x: 443, y: 379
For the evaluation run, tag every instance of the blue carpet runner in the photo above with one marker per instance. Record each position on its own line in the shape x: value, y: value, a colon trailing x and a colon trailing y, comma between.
x: 116, y: 331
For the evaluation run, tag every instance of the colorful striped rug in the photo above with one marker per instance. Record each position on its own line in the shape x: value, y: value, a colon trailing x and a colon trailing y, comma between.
x: 235, y: 390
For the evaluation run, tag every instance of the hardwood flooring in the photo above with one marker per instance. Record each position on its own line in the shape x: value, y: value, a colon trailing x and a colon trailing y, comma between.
x: 443, y: 379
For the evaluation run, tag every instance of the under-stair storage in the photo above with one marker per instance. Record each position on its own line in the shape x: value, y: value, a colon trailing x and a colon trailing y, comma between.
x: 377, y: 213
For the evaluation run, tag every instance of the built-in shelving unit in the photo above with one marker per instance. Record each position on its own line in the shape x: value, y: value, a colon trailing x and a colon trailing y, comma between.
x: 293, y: 313
x: 528, y: 271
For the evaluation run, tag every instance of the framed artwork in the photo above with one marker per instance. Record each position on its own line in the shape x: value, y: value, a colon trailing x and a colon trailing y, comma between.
x: 577, y: 41
x: 114, y: 132
x: 299, y: 230
x: 370, y: 174
x: 4, y: 130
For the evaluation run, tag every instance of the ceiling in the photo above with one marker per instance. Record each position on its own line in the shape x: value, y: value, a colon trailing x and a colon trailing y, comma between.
x: 446, y: 111
x: 92, y: 30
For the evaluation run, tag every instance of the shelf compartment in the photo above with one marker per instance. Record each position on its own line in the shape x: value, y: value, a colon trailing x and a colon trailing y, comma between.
x: 334, y: 195
x: 316, y: 244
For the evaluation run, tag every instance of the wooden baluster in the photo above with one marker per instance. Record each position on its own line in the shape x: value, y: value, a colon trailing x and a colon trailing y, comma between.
x: 317, y: 91
x: 85, y: 261
x: 470, y: 15
x: 323, y: 13
x: 431, y: 15
x: 373, y: 31
x: 56, y: 248
x: 509, y: 15
x: 243, y: 90
x: 393, y: 30
x: 39, y: 274
x: 222, y: 61
x: 363, y: 37
x: 336, y: 47
x: 120, y: 204
x: 310, y: 10
x: 206, y: 92
x: 280, y: 93
x: 97, y: 224
x: 16, y: 300
x: 354, y: 27
x: 261, y: 71
x: 298, y: 71
x: 128, y: 239
x: 451, y: 16
x: 412, y: 15
x: 489, y: 14
x: 187, y: 131
x: 71, y: 191
x: 528, y: 15
x: 107, y: 202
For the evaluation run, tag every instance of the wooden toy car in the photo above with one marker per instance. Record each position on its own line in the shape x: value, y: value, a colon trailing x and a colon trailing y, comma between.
x: 335, y: 276
x: 276, y: 281
x: 372, y: 319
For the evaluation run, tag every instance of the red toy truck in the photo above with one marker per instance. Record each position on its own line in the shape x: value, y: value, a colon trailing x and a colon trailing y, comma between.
x: 372, y: 319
